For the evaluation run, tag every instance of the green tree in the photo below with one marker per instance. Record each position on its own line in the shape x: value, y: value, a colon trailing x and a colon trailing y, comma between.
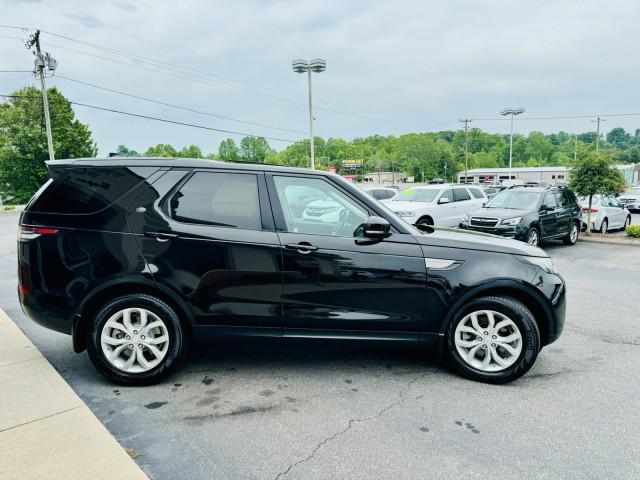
x: 192, y: 151
x: 161, y: 150
x: 123, y: 151
x: 23, y: 140
x: 595, y: 174
x: 228, y: 151
x: 619, y: 138
x: 254, y: 149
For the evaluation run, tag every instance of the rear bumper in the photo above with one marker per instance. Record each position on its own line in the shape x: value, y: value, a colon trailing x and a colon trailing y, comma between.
x: 47, y: 315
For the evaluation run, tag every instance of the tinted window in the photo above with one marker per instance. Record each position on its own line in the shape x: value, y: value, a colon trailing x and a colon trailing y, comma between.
x: 388, y: 194
x: 550, y: 200
x: 221, y: 199
x: 378, y: 194
x: 314, y: 206
x: 447, y: 194
x: 461, y: 194
x: 565, y: 198
x: 89, y: 189
x: 476, y: 192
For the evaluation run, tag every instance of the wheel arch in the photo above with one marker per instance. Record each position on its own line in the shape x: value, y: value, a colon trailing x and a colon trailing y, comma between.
x: 119, y: 287
x: 525, y: 294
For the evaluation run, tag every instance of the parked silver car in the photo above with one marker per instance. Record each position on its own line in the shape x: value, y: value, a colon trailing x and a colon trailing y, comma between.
x: 607, y: 213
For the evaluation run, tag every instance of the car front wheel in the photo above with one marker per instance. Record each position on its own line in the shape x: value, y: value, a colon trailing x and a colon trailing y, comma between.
x: 493, y: 339
x: 533, y: 237
x: 136, y: 340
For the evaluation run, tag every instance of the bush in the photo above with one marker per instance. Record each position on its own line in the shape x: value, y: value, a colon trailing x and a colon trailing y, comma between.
x: 633, y: 231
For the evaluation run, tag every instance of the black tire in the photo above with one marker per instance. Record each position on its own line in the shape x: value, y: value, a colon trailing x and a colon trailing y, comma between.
x: 529, y: 237
x: 525, y: 322
x: 604, y: 226
x: 177, y: 340
x: 570, y: 238
x: 627, y: 222
x: 425, y: 221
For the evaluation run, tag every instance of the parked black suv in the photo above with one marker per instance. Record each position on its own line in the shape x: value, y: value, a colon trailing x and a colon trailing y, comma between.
x: 135, y: 258
x: 529, y: 214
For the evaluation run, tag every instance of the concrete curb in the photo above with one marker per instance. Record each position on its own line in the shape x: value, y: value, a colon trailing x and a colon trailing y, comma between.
x: 46, y: 430
x: 627, y: 241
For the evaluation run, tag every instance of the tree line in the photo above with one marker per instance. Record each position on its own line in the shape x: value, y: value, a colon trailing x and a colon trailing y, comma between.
x: 427, y: 155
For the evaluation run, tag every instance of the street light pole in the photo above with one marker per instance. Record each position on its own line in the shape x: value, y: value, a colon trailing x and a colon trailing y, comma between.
x: 466, y: 147
x: 513, y: 112
x: 302, y: 66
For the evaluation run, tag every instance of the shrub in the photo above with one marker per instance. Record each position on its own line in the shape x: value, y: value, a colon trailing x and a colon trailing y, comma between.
x: 633, y: 231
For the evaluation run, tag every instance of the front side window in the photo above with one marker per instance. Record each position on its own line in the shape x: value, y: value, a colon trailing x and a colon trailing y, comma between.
x: 418, y: 195
x: 314, y: 206
x: 447, y: 194
x: 218, y: 199
x: 550, y: 200
x: 461, y: 194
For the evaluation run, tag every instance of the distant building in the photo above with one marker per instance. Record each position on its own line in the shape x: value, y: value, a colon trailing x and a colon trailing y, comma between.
x: 631, y: 173
x: 385, y: 177
x: 525, y: 174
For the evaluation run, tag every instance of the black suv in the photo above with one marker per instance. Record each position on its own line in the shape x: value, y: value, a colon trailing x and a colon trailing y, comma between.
x: 529, y: 214
x: 136, y: 258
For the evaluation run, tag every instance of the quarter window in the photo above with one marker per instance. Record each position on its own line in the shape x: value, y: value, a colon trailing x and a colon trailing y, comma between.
x: 219, y: 199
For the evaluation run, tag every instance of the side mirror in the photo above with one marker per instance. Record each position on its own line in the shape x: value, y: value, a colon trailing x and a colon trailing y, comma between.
x: 376, y: 227
x: 443, y: 200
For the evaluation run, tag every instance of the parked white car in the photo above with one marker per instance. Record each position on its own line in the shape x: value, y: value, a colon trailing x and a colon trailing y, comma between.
x: 631, y: 198
x: 382, y: 194
x: 607, y: 213
x: 324, y: 211
x: 441, y: 205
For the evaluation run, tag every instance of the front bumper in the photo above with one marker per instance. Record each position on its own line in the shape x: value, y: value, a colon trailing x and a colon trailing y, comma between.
x: 519, y: 232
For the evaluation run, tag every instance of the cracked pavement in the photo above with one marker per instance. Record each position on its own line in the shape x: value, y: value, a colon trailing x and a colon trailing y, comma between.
x: 265, y: 409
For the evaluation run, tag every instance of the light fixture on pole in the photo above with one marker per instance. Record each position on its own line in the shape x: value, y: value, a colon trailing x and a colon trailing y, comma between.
x: 302, y: 66
x: 512, y: 112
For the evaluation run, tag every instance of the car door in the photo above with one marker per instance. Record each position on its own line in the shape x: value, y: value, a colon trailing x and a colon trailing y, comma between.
x: 563, y: 212
x: 616, y: 210
x: 464, y: 204
x: 445, y: 213
x: 548, y: 212
x: 210, y: 238
x: 335, y: 281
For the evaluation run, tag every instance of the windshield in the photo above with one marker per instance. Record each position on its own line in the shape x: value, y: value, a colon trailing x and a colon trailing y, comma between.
x: 515, y: 199
x: 634, y: 191
x: 418, y: 195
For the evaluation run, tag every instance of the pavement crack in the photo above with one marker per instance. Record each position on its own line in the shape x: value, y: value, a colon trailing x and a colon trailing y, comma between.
x: 350, y: 423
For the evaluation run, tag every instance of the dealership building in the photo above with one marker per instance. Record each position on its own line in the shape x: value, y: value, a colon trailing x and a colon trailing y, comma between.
x: 548, y: 175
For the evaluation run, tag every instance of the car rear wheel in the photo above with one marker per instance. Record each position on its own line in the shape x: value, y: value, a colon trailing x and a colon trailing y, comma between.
x: 493, y: 339
x: 572, y: 237
x: 533, y: 237
x: 627, y: 222
x: 136, y: 340
x: 604, y: 227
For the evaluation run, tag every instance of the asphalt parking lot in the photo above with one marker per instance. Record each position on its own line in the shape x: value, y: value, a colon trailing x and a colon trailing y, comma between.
x: 300, y: 410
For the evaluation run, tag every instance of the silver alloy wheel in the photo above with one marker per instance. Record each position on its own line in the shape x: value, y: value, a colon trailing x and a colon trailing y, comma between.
x: 532, y: 238
x: 573, y: 233
x: 134, y: 340
x: 604, y: 226
x: 488, y: 340
x: 627, y: 222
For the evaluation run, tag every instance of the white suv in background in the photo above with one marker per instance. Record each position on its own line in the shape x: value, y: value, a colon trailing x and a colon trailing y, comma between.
x: 441, y: 205
x: 631, y: 199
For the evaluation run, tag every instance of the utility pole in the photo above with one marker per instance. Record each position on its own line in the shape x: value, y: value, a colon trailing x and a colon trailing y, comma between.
x: 50, y: 63
x: 575, y: 147
x: 466, y: 147
x: 598, y: 120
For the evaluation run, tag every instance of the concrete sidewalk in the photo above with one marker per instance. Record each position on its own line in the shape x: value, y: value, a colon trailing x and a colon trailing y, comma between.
x: 46, y: 431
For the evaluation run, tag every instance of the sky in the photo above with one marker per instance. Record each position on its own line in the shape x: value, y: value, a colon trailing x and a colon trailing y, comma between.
x: 393, y: 67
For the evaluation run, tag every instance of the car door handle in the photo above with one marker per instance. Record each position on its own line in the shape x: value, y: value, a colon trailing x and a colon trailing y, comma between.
x: 161, y: 236
x: 302, y: 247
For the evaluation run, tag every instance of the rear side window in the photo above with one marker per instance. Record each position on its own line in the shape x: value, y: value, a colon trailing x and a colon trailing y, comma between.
x: 86, y: 190
x: 476, y: 192
x: 461, y: 194
x: 219, y: 199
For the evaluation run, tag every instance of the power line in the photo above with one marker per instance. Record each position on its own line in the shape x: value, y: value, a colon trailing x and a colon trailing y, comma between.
x: 16, y: 71
x: 180, y: 107
x: 158, y: 119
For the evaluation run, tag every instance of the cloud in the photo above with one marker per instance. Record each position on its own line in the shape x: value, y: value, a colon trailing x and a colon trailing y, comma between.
x: 394, y: 67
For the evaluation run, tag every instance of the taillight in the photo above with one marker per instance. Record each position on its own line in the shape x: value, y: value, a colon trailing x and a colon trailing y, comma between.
x: 586, y: 210
x: 29, y: 233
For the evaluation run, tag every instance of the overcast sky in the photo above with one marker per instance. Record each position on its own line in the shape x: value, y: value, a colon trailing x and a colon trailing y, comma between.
x: 392, y: 66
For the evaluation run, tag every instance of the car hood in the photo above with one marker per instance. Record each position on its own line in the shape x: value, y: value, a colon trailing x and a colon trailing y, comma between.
x: 323, y: 204
x: 400, y: 206
x: 470, y: 240
x: 498, y: 213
